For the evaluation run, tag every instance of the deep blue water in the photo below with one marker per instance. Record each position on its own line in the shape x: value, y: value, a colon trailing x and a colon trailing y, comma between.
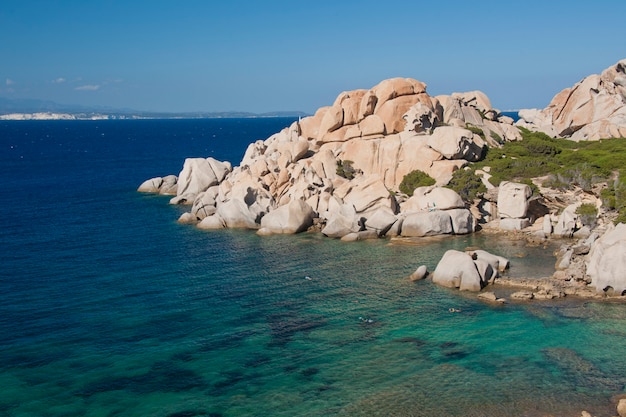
x: 109, y: 307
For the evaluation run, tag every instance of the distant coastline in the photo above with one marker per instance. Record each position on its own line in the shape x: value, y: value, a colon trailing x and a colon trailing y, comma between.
x: 27, y: 109
x: 145, y: 115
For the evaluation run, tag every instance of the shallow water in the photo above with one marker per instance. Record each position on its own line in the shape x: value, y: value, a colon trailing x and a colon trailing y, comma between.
x: 111, y: 308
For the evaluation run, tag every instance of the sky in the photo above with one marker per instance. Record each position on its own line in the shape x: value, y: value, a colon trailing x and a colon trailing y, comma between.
x: 262, y: 56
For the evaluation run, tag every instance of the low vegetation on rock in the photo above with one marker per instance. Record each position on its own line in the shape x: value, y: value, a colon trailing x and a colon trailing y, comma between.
x: 594, y: 166
x: 345, y: 169
x: 415, y: 179
x: 467, y: 184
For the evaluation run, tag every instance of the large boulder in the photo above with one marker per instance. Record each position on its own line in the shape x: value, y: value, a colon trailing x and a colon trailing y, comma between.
x: 205, y: 203
x: 432, y: 198
x: 367, y: 194
x: 498, y: 263
x: 457, y: 270
x: 295, y: 217
x: 462, y: 221
x: 381, y: 221
x: 567, y: 222
x: 237, y: 214
x: 421, y: 119
x: 153, y: 185
x: 197, y: 175
x: 607, y: 261
x: 160, y: 185
x: 341, y: 221
x: 427, y: 223
x: 513, y: 200
x: 457, y: 143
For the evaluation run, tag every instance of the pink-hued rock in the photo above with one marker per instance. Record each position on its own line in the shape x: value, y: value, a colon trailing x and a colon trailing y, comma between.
x: 592, y: 109
x: 457, y: 143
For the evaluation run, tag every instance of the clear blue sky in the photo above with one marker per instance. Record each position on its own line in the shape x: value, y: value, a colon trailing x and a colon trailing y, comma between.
x: 270, y: 55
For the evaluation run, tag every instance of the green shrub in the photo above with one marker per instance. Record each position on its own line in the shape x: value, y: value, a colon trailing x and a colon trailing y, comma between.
x: 345, y: 169
x: 588, y: 214
x: 496, y: 137
x: 415, y: 179
x: 467, y: 184
x: 555, y: 182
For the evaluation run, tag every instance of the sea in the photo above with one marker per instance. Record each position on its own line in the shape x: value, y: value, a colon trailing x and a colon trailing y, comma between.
x: 109, y: 307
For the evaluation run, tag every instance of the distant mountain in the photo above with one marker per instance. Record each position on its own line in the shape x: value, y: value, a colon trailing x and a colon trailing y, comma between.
x: 30, y: 106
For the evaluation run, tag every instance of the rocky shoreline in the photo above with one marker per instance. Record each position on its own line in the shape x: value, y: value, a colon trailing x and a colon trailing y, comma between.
x: 344, y: 172
x: 341, y: 172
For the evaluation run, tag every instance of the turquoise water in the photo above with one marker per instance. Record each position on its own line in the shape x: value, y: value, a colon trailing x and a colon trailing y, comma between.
x: 111, y: 308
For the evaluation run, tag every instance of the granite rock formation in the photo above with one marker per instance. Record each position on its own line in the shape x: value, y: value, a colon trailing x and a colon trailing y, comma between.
x: 592, y: 109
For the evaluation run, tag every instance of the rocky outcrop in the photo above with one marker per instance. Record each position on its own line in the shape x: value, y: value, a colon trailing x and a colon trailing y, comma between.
x: 295, y: 217
x: 592, y: 109
x: 160, y: 185
x: 344, y: 166
x: 198, y: 175
x: 469, y: 271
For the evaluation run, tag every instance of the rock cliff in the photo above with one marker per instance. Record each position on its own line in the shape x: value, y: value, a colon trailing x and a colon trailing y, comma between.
x: 592, y: 109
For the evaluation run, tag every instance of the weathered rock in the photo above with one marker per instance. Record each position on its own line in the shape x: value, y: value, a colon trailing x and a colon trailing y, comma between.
x: 197, y: 175
x: 498, y: 263
x: 487, y: 272
x: 568, y: 219
x: 212, y: 222
x: 547, y: 225
x: 153, y: 185
x: 421, y: 119
x: 513, y: 200
x: 457, y: 143
x: 380, y: 221
x: 491, y: 297
x: 160, y: 185
x: 187, y: 218
x: 564, y: 259
x: 420, y: 273
x: 457, y: 270
x: 429, y: 223
x: 341, y: 222
x: 592, y: 109
x: 205, y: 203
x: 513, y: 224
x: 169, y: 185
x: 362, y: 235
x: 462, y: 221
x: 366, y: 194
x: 431, y: 199
x: 607, y: 261
x: 621, y: 407
x: 295, y: 217
x: 236, y: 214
